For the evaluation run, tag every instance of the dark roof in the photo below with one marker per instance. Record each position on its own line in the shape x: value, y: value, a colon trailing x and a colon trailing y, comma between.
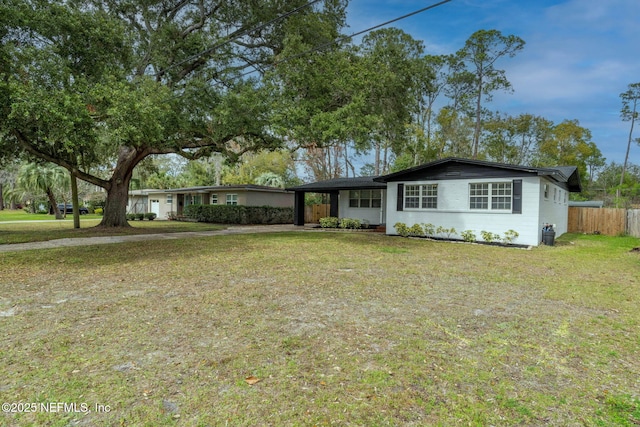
x: 361, y: 182
x: 563, y: 174
x: 208, y: 189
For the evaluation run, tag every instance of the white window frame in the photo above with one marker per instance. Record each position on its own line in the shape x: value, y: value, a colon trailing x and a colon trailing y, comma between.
x: 485, y: 196
x: 169, y: 200
x: 232, y: 199
x: 365, y: 199
x: 191, y: 198
x: 214, y: 199
x: 421, y: 197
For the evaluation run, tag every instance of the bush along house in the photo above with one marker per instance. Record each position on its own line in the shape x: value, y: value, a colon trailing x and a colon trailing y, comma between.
x: 459, y: 198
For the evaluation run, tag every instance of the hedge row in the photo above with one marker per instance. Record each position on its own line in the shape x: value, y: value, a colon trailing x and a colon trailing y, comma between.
x: 237, y: 214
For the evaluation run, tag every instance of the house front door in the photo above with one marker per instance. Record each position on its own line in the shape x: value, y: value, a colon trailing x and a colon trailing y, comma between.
x: 155, y: 207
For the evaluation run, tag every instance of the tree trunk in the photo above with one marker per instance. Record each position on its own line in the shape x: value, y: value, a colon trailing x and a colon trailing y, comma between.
x: 1, y: 198
x: 115, y: 208
x: 54, y: 205
x: 74, y: 201
x: 626, y: 156
x: 476, y: 131
x: 377, y: 159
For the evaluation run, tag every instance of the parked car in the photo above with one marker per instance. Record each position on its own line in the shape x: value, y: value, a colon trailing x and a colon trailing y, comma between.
x: 69, y: 209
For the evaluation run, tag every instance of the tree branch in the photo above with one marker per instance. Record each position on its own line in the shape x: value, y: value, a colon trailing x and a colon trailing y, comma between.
x: 23, y: 141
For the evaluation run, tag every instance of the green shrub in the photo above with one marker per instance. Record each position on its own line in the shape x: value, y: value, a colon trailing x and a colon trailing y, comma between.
x: 510, y: 236
x: 429, y: 229
x: 329, y: 222
x: 416, y: 230
x: 98, y: 211
x: 351, y: 223
x: 150, y: 216
x: 131, y: 217
x: 468, y: 236
x: 489, y: 237
x: 448, y: 232
x: 401, y: 229
x: 238, y: 214
x: 139, y: 216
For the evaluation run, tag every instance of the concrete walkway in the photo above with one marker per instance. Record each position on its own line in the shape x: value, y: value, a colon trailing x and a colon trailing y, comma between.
x: 104, y: 240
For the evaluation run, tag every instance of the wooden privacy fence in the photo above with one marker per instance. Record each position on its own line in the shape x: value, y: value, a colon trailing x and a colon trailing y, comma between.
x: 633, y: 222
x: 611, y: 222
x: 313, y: 213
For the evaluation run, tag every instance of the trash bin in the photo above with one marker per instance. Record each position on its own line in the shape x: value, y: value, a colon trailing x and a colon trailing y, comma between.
x: 548, y: 237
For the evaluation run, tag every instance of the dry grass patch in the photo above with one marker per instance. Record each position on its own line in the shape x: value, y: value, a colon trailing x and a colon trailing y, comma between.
x: 40, y: 231
x: 337, y: 329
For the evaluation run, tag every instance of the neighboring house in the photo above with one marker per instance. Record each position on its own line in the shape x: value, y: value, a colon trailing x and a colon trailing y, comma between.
x: 457, y: 193
x: 173, y: 201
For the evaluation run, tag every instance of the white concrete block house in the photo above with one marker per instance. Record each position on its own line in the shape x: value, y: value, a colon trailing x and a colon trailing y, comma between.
x: 460, y: 193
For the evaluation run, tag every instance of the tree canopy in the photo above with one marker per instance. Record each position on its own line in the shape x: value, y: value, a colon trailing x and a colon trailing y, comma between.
x: 92, y: 82
x: 104, y: 88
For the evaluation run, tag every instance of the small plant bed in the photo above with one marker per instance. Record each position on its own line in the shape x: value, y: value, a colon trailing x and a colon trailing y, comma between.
x: 150, y: 216
x: 351, y: 224
x: 440, y: 233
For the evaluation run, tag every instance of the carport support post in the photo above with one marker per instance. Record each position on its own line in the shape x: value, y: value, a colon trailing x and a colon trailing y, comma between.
x: 333, y: 207
x: 298, y: 208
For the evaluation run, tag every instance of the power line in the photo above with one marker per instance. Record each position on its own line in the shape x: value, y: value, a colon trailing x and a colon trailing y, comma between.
x: 340, y: 39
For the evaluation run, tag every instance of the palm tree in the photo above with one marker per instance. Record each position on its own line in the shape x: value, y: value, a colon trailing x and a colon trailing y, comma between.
x: 270, y: 179
x: 38, y: 179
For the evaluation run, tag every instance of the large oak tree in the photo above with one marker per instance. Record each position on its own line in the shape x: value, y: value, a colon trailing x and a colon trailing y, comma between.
x: 97, y: 86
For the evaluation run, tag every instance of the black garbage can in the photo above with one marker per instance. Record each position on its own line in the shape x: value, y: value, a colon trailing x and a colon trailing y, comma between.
x: 548, y: 237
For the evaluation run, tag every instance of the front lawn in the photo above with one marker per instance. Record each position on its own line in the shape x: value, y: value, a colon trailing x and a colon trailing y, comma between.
x: 323, y: 329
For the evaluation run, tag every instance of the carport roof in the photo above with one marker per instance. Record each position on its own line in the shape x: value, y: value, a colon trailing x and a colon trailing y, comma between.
x: 361, y: 182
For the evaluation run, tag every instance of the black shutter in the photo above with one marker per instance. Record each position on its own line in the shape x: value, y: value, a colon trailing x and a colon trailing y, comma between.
x: 517, y: 197
x: 400, y: 204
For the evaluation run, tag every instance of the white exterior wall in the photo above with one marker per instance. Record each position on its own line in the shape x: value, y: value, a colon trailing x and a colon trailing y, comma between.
x: 453, y: 210
x: 165, y: 207
x: 372, y: 215
x: 554, y: 209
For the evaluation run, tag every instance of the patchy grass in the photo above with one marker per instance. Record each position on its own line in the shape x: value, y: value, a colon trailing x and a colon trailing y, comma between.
x: 329, y: 329
x: 38, y: 231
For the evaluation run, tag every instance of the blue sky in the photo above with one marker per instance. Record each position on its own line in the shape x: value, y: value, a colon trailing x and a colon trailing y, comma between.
x: 579, y: 54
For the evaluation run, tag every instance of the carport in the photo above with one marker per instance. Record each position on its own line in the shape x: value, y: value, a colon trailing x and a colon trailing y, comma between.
x: 332, y: 187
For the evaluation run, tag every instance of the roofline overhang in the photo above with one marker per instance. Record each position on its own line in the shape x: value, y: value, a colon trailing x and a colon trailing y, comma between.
x: 204, y: 190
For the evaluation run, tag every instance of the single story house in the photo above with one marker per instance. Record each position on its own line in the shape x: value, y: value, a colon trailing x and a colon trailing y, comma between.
x: 456, y: 193
x: 173, y: 201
